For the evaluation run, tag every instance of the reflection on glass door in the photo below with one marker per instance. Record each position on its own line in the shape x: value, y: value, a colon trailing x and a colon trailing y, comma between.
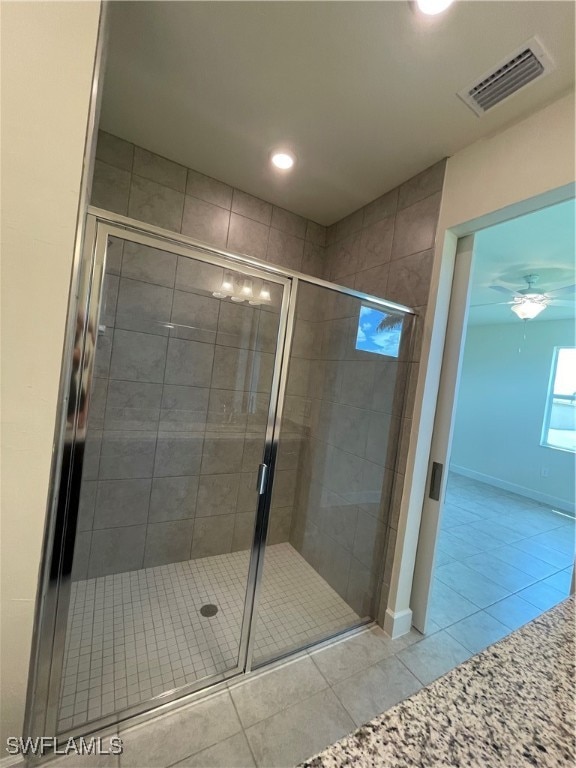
x: 179, y: 400
x: 329, y: 517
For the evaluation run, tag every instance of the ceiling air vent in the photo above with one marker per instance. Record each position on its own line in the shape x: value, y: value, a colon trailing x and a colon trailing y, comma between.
x: 530, y: 62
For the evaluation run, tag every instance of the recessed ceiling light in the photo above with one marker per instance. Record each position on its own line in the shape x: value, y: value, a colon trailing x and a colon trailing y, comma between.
x: 283, y: 160
x: 432, y: 7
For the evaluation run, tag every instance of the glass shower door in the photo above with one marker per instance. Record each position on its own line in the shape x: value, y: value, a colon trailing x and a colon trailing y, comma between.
x: 329, y: 522
x: 179, y: 401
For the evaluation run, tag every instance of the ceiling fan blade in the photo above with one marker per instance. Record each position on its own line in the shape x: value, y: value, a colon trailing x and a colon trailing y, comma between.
x: 562, y: 303
x: 502, y: 289
x: 560, y: 291
x: 492, y: 304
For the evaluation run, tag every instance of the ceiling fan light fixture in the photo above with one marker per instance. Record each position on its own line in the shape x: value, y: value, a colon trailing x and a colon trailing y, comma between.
x: 529, y: 307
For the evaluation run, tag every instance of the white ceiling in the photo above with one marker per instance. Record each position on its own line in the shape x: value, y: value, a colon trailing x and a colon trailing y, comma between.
x: 540, y: 243
x: 363, y: 92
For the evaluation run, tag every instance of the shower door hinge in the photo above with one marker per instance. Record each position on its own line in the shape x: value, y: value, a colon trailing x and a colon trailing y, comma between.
x: 262, y: 481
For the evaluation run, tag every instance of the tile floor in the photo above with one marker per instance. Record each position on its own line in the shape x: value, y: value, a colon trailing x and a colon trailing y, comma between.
x: 280, y: 716
x: 502, y: 560
x: 292, y: 710
x: 134, y: 635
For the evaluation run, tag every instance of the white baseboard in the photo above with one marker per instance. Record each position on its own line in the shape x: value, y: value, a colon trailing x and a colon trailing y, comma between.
x: 529, y: 493
x: 398, y: 623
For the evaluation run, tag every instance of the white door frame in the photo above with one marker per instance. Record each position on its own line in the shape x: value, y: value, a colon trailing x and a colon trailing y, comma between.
x: 443, y: 430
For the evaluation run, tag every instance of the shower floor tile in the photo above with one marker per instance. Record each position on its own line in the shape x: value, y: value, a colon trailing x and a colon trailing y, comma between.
x: 135, y: 635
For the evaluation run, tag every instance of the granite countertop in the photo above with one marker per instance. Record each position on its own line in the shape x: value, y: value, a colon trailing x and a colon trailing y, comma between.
x: 511, y: 705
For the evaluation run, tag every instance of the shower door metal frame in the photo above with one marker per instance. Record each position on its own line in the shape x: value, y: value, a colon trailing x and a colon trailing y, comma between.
x: 58, y: 547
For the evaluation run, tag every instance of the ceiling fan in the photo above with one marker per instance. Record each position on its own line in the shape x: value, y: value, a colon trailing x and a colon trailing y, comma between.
x: 528, y: 302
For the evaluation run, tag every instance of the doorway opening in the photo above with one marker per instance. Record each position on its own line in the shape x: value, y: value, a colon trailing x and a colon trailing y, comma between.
x: 505, y: 538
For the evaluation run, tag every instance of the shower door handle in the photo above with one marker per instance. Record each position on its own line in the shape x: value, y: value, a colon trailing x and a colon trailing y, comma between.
x: 262, y: 481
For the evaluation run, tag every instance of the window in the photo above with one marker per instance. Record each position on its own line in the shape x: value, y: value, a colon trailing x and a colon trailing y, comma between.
x: 559, y: 429
x: 378, y: 332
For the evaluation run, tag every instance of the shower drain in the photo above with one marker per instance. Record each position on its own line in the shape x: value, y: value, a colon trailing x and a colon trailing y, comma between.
x: 209, y: 610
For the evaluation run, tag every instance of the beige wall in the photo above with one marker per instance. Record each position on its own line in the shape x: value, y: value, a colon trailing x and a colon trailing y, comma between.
x: 48, y: 52
x: 522, y: 168
x: 492, y: 413
x: 526, y: 160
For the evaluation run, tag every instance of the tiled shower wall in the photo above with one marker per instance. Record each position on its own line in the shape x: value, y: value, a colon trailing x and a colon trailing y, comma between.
x: 136, y: 183
x: 178, y: 414
x: 384, y: 248
x: 151, y: 493
x: 348, y: 406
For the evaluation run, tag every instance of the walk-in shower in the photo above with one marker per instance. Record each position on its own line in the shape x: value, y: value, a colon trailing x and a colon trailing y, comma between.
x: 228, y: 445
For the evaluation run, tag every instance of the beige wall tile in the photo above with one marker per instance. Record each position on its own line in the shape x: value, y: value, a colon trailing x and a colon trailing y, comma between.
x: 248, y: 237
x: 159, y: 169
x: 251, y: 207
x: 423, y: 185
x: 110, y: 188
x: 285, y: 249
x: 155, y: 204
x: 289, y: 222
x: 208, y: 189
x: 206, y: 222
x: 409, y: 279
x: 415, y: 227
x: 114, y: 151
